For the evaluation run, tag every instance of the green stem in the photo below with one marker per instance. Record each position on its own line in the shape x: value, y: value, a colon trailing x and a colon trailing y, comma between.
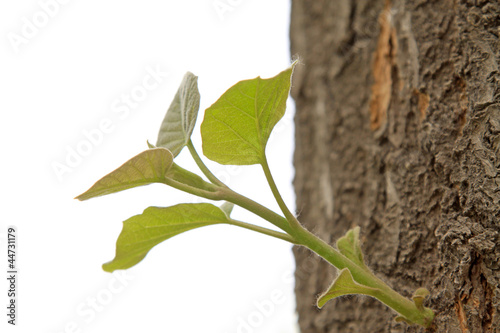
x: 256, y: 208
x: 296, y: 234
x: 225, y: 193
x: 202, y: 165
x: 301, y: 236
x: 214, y: 194
x: 263, y: 230
x: 292, y: 220
x: 407, y: 308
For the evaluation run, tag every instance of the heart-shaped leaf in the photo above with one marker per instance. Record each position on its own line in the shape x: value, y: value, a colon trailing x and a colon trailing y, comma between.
x: 142, y: 232
x: 348, y: 245
x: 148, y: 167
x: 236, y: 127
x: 345, y: 285
x: 178, y: 124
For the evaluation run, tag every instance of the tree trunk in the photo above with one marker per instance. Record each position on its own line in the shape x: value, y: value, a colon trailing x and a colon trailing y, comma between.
x: 398, y: 132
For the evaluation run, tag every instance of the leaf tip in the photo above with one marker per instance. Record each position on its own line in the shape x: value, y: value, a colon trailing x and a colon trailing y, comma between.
x: 322, y: 300
x: 107, y: 267
x: 82, y: 197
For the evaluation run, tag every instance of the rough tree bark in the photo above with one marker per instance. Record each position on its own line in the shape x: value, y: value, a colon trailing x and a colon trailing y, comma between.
x: 398, y: 131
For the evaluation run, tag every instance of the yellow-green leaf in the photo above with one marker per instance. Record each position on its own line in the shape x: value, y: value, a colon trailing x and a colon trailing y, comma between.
x: 236, y: 128
x: 345, y: 285
x: 142, y: 232
x: 349, y: 246
x: 148, y: 167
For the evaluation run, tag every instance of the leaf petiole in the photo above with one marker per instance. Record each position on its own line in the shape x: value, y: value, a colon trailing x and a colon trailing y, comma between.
x: 211, y: 177
x: 262, y: 230
x: 256, y: 208
x: 292, y: 220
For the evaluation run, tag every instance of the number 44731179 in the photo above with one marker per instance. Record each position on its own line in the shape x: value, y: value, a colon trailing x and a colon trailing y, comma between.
x: 11, y: 247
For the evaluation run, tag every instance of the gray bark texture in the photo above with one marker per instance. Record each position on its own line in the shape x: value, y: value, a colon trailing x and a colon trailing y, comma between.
x: 398, y: 132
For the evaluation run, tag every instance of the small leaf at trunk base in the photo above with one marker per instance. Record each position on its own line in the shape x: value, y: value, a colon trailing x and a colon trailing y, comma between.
x: 348, y: 245
x: 178, y: 124
x: 148, y: 167
x: 142, y: 232
x: 345, y: 285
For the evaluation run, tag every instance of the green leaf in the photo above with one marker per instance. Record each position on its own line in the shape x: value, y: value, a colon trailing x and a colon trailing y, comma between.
x: 345, y: 285
x: 142, y: 232
x: 151, y: 166
x: 236, y: 127
x: 148, y: 167
x: 348, y: 245
x: 178, y: 124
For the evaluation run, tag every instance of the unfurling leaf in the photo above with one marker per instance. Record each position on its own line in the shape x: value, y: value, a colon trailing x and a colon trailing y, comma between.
x: 419, y: 296
x: 236, y: 127
x: 345, y: 285
x: 227, y: 207
x: 142, y: 232
x: 148, y: 167
x: 348, y: 245
x: 178, y: 124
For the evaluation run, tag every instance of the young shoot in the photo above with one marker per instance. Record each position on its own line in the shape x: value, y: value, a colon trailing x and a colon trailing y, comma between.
x: 235, y: 131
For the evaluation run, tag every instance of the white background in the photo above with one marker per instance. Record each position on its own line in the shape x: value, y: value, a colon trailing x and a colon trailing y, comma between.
x: 66, y: 66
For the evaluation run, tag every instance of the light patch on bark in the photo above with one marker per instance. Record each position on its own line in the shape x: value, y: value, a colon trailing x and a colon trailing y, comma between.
x: 321, y: 140
x: 423, y: 100
x: 384, y: 59
x: 392, y: 194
